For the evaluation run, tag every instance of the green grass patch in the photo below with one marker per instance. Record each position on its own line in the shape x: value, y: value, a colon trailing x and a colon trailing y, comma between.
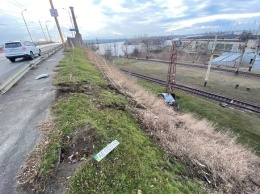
x: 137, y: 162
x: 51, y: 154
x: 76, y: 69
x: 246, y: 127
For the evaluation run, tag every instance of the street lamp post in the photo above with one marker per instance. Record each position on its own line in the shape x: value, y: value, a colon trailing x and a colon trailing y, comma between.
x: 43, y: 31
x: 72, y: 26
x: 48, y: 31
x: 26, y: 25
x: 54, y: 14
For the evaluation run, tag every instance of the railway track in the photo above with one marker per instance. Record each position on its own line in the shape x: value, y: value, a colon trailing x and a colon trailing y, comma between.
x: 203, y: 67
x: 247, y: 106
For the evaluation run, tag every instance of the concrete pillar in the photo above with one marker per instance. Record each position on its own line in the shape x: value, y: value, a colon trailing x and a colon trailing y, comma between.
x: 78, y: 36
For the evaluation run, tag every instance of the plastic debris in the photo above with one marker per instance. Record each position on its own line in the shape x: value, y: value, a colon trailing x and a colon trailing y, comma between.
x: 223, y: 104
x: 42, y: 76
x: 73, y: 158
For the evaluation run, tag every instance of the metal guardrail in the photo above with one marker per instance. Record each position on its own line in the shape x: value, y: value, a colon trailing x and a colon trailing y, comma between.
x: 12, y: 79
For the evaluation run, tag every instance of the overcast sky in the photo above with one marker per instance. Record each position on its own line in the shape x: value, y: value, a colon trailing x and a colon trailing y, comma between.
x: 120, y: 18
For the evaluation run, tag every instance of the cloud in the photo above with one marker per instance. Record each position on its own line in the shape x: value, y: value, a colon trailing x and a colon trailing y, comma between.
x: 107, y: 18
x: 209, y: 27
x: 191, y: 22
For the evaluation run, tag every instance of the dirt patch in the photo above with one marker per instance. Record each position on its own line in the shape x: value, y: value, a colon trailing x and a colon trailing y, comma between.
x: 76, y: 148
x: 79, y: 145
x: 111, y: 106
x: 80, y: 87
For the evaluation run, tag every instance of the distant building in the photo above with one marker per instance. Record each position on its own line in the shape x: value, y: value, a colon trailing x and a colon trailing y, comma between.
x: 232, y: 59
x: 227, y: 59
x: 178, y: 42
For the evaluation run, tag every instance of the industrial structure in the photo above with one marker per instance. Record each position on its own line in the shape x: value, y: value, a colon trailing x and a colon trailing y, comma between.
x: 77, y: 41
x: 171, y: 76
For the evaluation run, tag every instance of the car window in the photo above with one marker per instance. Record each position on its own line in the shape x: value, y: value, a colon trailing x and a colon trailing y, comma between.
x: 31, y: 44
x: 13, y: 45
x: 169, y: 98
x: 26, y: 43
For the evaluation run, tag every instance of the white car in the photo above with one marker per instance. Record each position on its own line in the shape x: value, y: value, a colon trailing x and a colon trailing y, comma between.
x: 21, y: 49
x: 170, y: 99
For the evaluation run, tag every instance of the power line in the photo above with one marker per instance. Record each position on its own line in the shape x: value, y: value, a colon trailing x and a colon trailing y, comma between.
x: 9, y: 11
x: 31, y: 25
x: 18, y: 3
x: 22, y: 7
x: 15, y: 4
x: 30, y: 21
x: 14, y: 16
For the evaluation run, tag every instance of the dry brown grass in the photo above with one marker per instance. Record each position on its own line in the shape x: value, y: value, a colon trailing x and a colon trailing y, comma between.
x: 186, y: 136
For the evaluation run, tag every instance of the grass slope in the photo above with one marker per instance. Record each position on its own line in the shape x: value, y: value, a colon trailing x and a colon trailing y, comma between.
x: 137, y: 162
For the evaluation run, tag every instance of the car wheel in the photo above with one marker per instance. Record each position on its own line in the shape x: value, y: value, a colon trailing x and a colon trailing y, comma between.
x: 31, y: 55
x: 40, y: 52
x: 12, y: 60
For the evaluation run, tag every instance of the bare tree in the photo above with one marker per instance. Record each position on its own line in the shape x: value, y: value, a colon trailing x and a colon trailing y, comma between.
x: 124, y: 48
x: 108, y: 54
x: 147, y: 41
x: 136, y: 52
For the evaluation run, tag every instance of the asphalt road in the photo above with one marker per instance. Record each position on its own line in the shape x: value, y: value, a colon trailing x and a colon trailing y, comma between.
x: 22, y: 109
x: 7, y: 67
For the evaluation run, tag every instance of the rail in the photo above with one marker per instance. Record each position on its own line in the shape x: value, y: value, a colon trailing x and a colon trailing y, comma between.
x: 13, y: 78
x: 230, y: 101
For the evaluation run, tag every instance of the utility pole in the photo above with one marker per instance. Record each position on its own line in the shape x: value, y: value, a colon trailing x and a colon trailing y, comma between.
x: 43, y: 31
x: 48, y: 32
x: 26, y: 25
x: 97, y: 45
x: 126, y: 46
x: 55, y: 14
x: 257, y: 49
x: 210, y: 61
x: 256, y: 53
x: 171, y: 76
x: 242, y: 55
x: 115, y: 49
